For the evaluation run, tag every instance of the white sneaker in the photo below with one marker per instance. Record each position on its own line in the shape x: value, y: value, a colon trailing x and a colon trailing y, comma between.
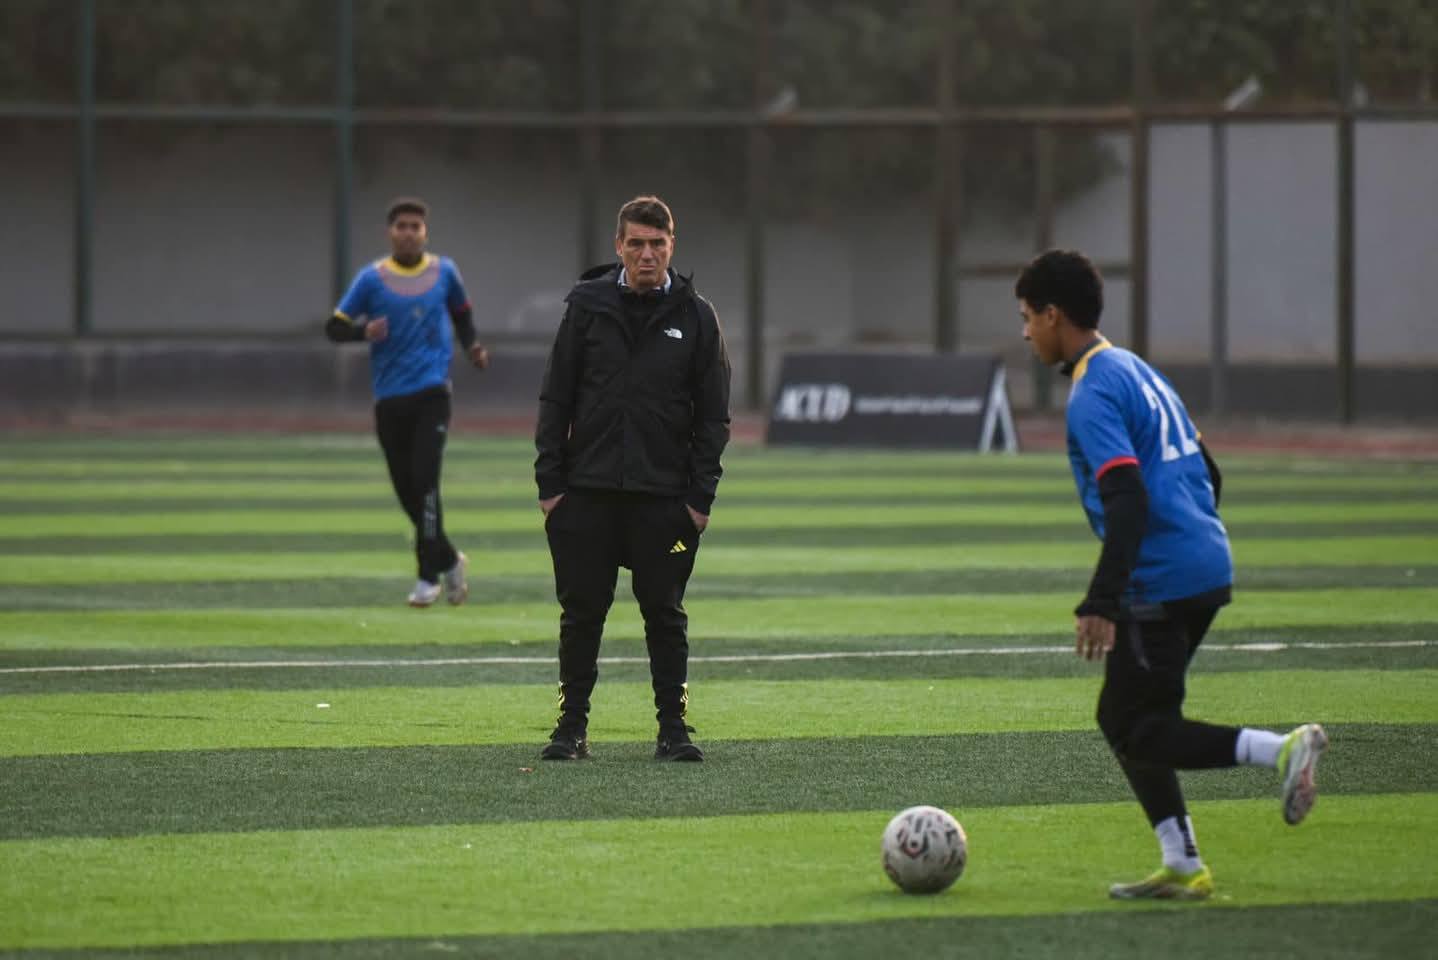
x: 456, y: 591
x: 423, y: 594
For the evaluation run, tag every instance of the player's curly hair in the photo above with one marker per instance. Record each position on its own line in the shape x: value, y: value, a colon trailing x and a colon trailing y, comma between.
x: 1066, y: 279
x: 407, y: 205
x: 647, y: 210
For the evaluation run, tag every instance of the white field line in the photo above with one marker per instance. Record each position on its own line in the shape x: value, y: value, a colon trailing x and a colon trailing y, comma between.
x: 727, y: 658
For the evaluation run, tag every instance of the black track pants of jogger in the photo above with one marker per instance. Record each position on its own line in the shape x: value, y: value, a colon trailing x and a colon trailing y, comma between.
x: 412, y: 430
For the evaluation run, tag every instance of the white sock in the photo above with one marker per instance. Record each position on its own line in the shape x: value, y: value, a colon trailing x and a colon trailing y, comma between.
x: 1258, y: 748
x: 1176, y: 840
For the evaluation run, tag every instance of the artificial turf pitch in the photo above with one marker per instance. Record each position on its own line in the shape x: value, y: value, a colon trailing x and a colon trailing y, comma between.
x: 223, y: 734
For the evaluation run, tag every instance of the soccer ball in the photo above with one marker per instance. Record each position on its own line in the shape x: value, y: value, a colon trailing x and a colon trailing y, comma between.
x: 925, y: 850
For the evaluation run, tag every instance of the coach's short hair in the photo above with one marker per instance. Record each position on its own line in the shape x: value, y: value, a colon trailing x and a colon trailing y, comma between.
x: 1065, y: 279
x: 647, y: 210
x: 407, y: 205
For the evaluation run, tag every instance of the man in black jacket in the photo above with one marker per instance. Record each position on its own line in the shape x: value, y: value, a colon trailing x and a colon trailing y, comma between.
x: 633, y: 418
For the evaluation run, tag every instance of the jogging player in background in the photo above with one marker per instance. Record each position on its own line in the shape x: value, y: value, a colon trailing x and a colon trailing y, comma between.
x: 1151, y: 491
x: 633, y: 418
x: 404, y: 307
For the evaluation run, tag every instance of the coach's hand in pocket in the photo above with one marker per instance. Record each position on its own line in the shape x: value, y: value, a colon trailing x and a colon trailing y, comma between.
x: 701, y: 520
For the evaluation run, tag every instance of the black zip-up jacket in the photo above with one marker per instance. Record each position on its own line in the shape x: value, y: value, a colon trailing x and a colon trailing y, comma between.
x: 630, y: 403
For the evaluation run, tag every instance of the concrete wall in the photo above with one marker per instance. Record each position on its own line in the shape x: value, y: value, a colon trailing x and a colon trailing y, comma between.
x: 225, y: 231
x: 37, y: 248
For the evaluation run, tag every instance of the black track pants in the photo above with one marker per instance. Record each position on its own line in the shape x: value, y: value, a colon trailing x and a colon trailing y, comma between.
x: 412, y: 430
x: 1140, y: 709
x: 591, y: 535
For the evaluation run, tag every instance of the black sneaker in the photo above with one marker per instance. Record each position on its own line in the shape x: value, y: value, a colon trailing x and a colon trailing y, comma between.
x: 566, y: 743
x: 674, y: 744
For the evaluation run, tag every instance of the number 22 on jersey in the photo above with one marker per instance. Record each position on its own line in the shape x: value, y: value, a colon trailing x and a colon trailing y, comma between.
x: 1161, y: 399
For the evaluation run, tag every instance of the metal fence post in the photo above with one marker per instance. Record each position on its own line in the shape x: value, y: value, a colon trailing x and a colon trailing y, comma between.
x: 946, y: 188
x: 591, y: 138
x: 758, y: 190
x: 344, y: 141
x: 85, y: 173
x: 1138, y: 197
x: 1346, y: 348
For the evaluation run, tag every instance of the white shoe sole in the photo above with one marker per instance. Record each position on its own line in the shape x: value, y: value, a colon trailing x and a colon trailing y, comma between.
x: 1300, y: 790
x: 457, y: 597
x: 1167, y: 891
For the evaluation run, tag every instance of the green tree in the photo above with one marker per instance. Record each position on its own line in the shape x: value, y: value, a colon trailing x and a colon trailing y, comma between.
x: 525, y: 55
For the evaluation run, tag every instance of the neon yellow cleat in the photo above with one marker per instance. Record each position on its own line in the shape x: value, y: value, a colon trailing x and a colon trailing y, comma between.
x: 1167, y: 884
x: 1296, y: 760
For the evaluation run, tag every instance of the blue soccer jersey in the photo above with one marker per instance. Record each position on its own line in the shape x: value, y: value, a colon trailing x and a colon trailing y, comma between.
x: 415, y: 301
x: 1123, y: 412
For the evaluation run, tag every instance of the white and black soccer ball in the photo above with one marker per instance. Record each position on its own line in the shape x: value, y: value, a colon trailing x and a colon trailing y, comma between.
x: 925, y: 850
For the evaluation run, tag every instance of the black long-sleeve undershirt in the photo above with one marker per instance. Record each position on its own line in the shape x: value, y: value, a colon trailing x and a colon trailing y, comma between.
x: 463, y: 320
x: 344, y: 330
x: 1125, y: 517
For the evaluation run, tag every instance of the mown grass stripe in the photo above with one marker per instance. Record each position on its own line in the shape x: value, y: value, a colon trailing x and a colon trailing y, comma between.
x: 733, y: 710
x: 535, y: 664
x: 1329, y: 931
x: 197, y: 461
x: 221, y: 445
x: 701, y: 659
x: 774, y: 518
x: 1359, y: 556
x: 375, y: 489
x: 302, y: 592
x: 293, y: 453
x: 1037, y: 614
x: 259, y: 496
x: 1402, y: 647
x: 268, y: 789
x: 994, y: 545
x: 485, y: 484
x: 486, y: 477
x: 1312, y: 638
x: 770, y: 869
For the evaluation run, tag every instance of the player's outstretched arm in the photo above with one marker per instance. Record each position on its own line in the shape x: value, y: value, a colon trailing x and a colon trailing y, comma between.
x: 348, y: 323
x: 462, y: 317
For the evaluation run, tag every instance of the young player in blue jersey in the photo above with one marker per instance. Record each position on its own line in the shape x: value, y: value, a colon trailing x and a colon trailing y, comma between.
x: 1151, y: 491
x: 404, y: 306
